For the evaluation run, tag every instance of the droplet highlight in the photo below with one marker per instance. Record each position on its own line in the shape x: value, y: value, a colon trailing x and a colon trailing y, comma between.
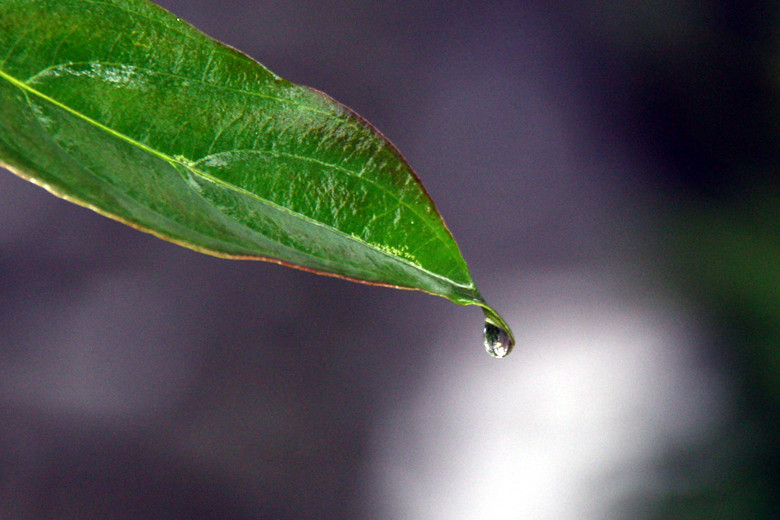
x: 498, y: 342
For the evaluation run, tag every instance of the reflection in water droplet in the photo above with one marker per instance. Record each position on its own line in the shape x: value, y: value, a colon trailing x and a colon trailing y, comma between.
x: 498, y: 342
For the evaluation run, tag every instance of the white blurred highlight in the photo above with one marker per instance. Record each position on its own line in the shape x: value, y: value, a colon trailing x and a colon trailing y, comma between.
x: 604, y: 378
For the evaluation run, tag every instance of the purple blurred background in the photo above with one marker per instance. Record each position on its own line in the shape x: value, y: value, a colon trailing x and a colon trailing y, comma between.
x: 608, y: 172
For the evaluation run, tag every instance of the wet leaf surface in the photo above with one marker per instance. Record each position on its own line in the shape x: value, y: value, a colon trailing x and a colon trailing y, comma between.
x: 124, y: 108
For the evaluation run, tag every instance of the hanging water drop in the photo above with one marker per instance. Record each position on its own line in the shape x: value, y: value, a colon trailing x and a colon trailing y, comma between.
x: 498, y: 341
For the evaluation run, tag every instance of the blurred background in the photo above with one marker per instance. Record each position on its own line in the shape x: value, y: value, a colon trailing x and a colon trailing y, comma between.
x: 608, y: 169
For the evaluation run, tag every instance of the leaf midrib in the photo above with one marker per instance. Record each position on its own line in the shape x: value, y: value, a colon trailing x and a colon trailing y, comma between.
x: 437, y: 233
x: 172, y: 160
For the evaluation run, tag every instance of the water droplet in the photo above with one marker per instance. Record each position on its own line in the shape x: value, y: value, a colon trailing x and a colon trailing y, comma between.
x: 498, y: 342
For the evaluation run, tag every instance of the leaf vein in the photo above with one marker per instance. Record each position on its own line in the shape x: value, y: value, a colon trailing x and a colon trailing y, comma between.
x: 424, y: 218
x: 181, y: 161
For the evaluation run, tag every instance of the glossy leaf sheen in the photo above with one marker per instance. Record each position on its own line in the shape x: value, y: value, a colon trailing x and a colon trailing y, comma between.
x: 122, y: 107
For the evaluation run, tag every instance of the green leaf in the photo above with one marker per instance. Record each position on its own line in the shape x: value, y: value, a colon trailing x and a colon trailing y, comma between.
x: 122, y: 107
